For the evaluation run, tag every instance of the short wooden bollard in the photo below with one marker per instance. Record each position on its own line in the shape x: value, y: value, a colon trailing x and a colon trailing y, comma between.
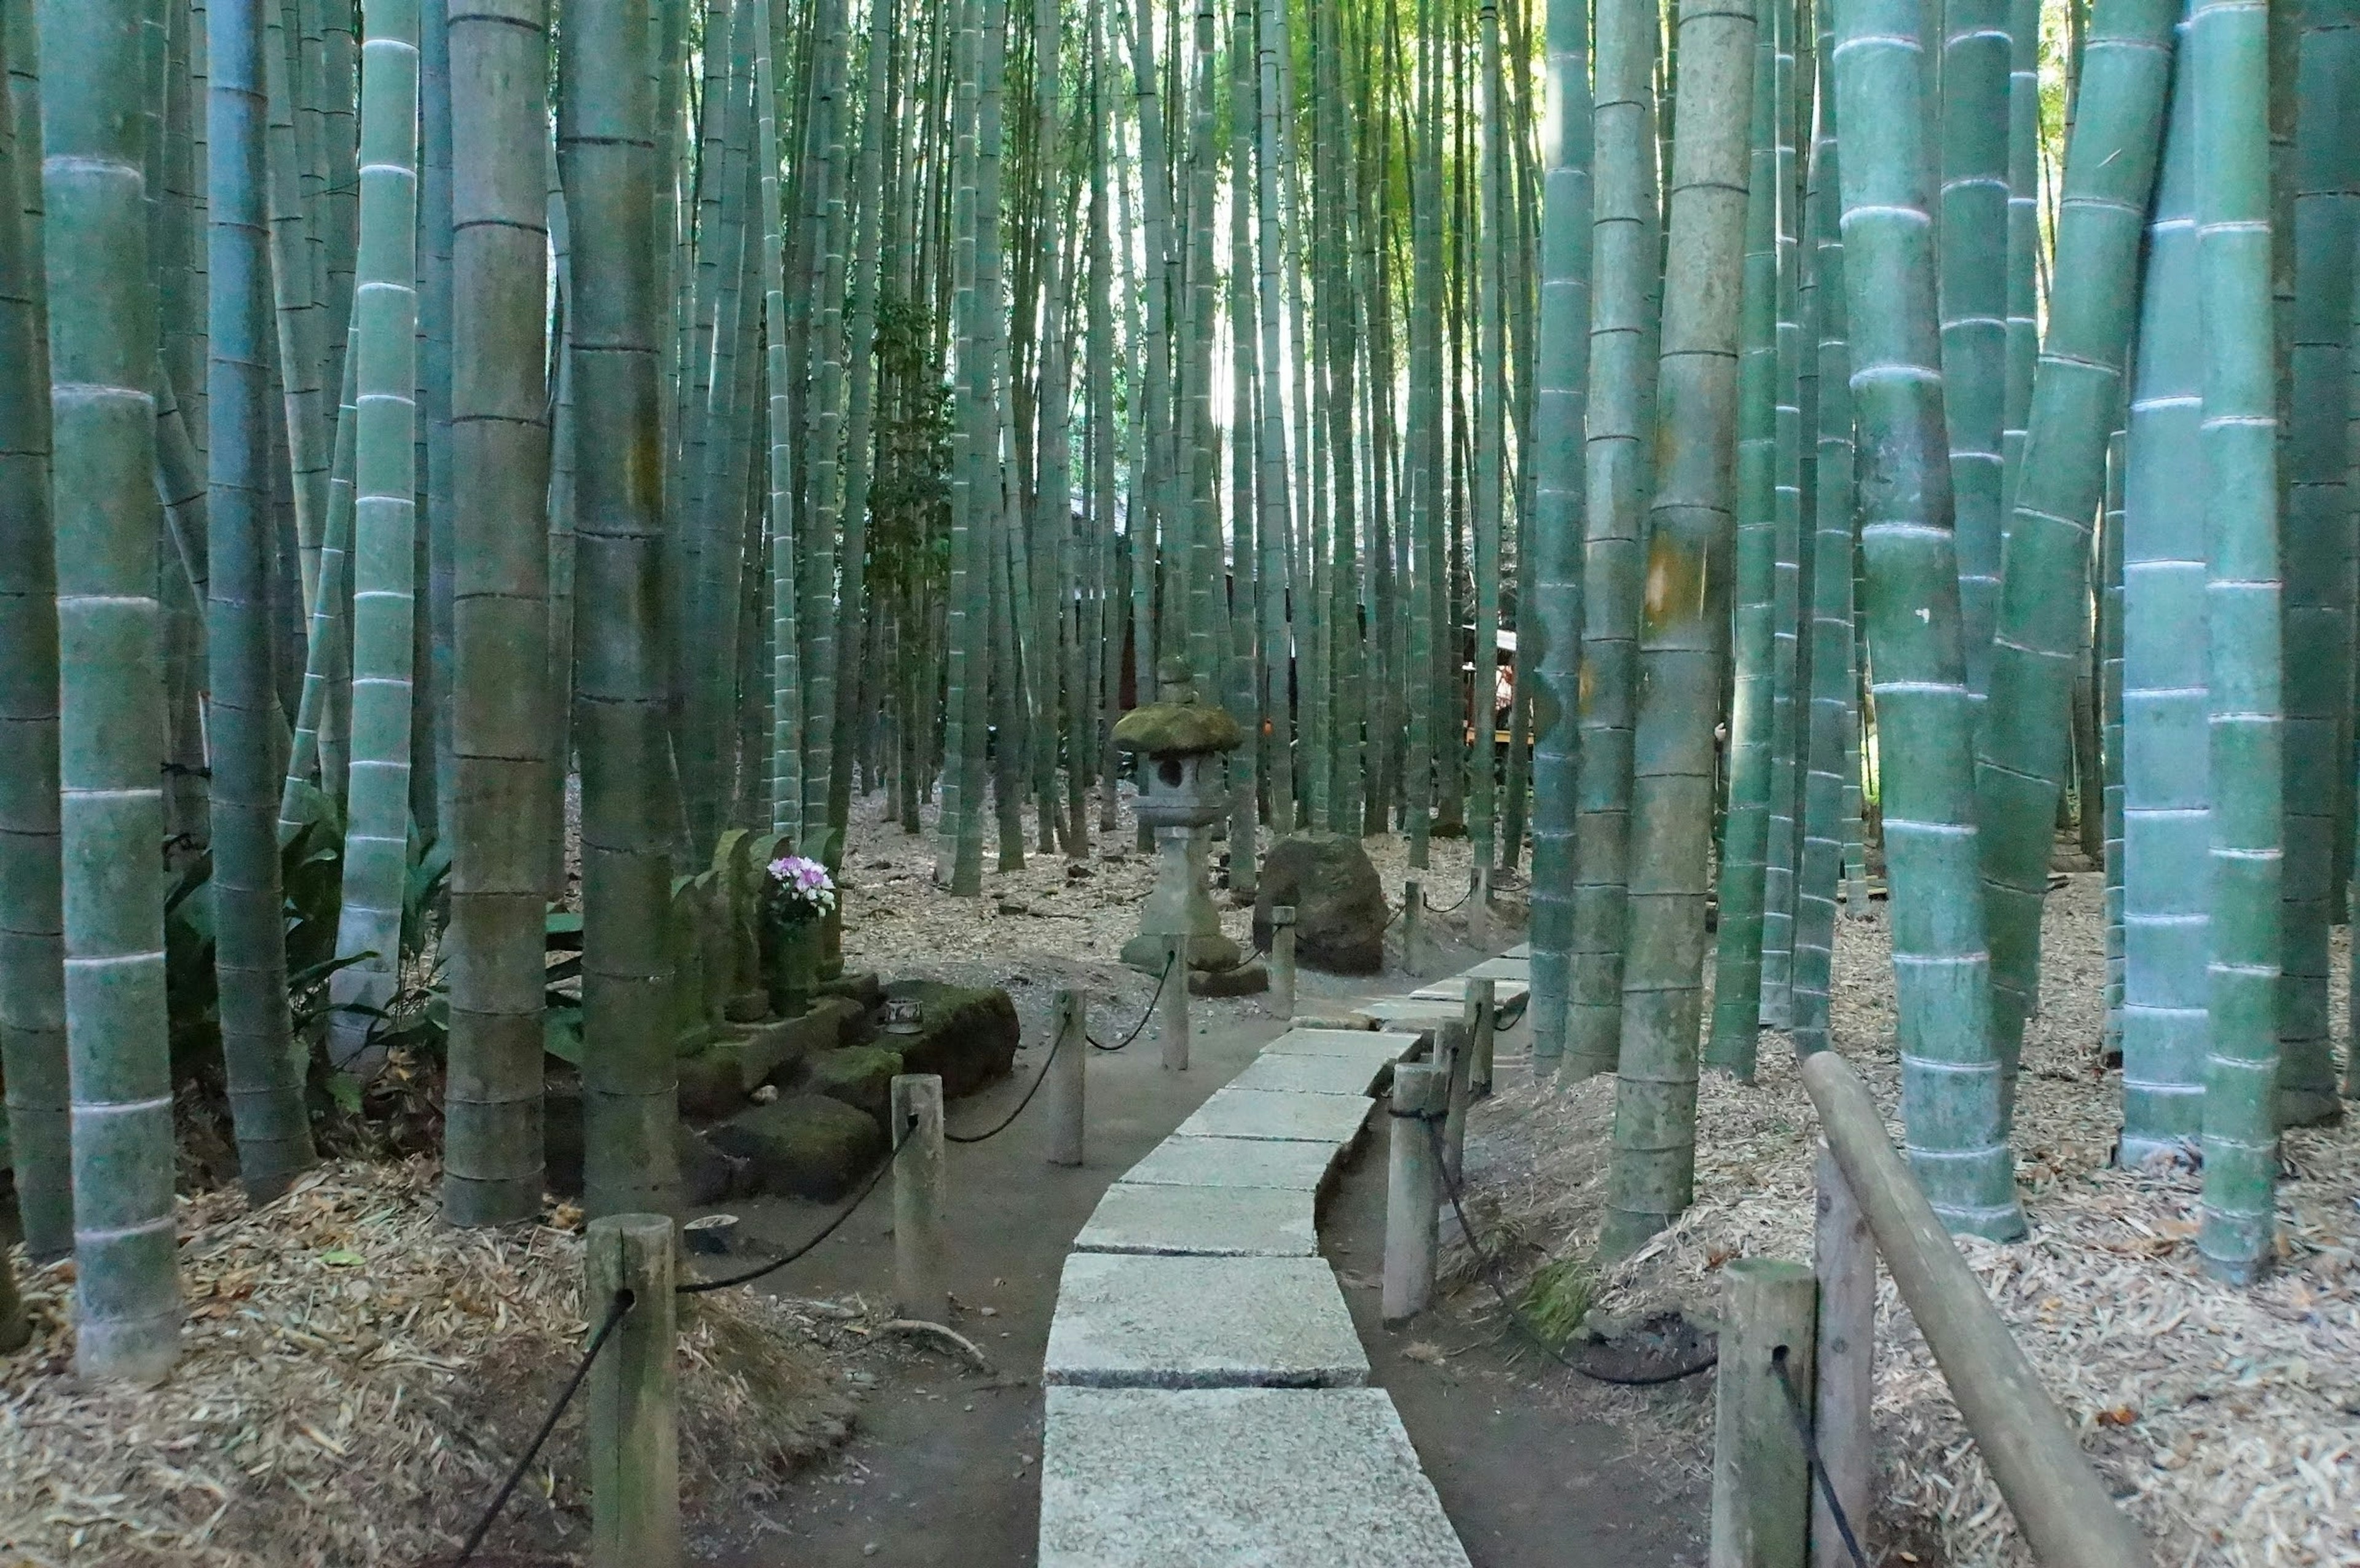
x: 921, y: 1288
x: 1072, y: 1054
x: 1479, y: 907
x: 1455, y: 1051
x: 1760, y: 1479
x: 1172, y: 1002
x: 14, y: 1330
x: 1843, y: 1256
x: 1413, y: 924
x: 633, y: 1426
x: 1282, y: 961
x: 1482, y: 1015
x: 1413, y: 1189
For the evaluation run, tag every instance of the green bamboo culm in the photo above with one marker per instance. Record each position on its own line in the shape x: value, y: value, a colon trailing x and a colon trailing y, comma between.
x: 606, y: 158
x: 1490, y: 460
x: 1561, y: 375
x: 1950, y: 1078
x: 385, y: 520
x: 779, y: 466
x: 1737, y: 959
x: 2318, y: 542
x: 1626, y: 242
x: 2076, y: 399
x: 499, y: 722
x: 2166, y: 774
x: 1972, y: 235
x: 1833, y: 721
x: 2229, y: 59
x: 265, y: 1067
x: 32, y: 938
x: 102, y: 502
x: 1683, y: 630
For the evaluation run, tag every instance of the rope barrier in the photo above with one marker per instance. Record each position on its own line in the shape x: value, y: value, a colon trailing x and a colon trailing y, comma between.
x: 1812, y: 1453
x: 1056, y: 1044
x: 1159, y: 980
x: 1489, y: 1267
x: 616, y: 1312
x: 700, y: 1286
x: 1447, y: 909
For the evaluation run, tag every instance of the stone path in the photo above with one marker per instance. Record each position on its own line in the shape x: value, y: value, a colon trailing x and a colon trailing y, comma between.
x: 1204, y: 1406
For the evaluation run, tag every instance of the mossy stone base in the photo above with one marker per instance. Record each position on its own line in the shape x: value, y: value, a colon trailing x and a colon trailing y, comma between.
x: 808, y: 1146
x: 968, y: 1036
x: 862, y: 1076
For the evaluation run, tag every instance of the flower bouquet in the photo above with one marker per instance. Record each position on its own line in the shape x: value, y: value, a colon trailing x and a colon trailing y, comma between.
x: 798, y: 895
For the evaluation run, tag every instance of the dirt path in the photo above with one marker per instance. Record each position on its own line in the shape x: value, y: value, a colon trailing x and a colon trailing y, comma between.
x: 943, y: 1466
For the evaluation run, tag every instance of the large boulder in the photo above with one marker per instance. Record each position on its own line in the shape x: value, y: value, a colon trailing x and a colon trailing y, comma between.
x: 807, y: 1146
x: 966, y: 1036
x: 1341, y: 913
x: 862, y: 1076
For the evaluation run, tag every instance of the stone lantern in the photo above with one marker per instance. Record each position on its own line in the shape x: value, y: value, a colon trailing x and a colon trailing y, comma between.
x: 1179, y: 740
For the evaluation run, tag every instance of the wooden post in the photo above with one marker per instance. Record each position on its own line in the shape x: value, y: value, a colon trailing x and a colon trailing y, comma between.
x: 1172, y: 1001
x: 1455, y: 1053
x: 14, y: 1330
x: 2062, y: 1507
x: 1282, y: 961
x: 1479, y: 908
x: 1843, y: 1256
x: 1413, y: 924
x: 634, y: 1420
x: 1761, y: 1479
x: 1072, y: 1054
x: 920, y: 1287
x: 1412, y: 1190
x: 1483, y: 1009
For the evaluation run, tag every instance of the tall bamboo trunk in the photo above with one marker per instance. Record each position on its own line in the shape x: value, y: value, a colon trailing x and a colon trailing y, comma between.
x: 499, y: 722
x: 1683, y: 633
x: 102, y: 343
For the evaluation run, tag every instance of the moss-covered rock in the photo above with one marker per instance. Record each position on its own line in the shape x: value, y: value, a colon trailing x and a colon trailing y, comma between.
x: 966, y: 1036
x: 862, y: 1076
x: 807, y: 1146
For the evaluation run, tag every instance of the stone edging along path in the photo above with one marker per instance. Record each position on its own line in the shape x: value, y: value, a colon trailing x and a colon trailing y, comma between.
x: 1205, y: 1388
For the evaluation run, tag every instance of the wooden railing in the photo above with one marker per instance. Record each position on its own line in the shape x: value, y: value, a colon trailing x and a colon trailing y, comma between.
x: 1814, y: 1330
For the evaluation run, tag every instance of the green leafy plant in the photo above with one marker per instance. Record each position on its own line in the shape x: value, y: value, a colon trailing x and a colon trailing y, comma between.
x: 1558, y: 1298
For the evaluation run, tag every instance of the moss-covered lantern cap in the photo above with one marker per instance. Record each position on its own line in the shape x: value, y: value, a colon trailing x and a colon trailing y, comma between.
x: 1177, y: 724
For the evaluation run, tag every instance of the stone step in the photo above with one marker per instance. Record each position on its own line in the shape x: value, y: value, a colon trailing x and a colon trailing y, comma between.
x: 1454, y: 989
x: 1409, y: 1015
x: 1522, y: 949
x: 1236, y: 1162
x: 1509, y: 968
x: 1204, y: 1222
x: 1279, y: 1114
x: 1220, y: 1477
x: 1380, y: 1046
x: 1315, y: 1074
x: 1126, y: 1321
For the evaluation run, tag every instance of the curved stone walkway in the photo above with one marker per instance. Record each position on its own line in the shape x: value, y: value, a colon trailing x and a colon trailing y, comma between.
x: 1205, y: 1387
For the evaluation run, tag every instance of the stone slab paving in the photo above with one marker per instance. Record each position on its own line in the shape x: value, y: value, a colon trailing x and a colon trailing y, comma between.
x: 1378, y: 1048
x: 1281, y: 1114
x: 1502, y: 969
x: 1222, y: 1478
x: 1408, y: 1012
x: 1236, y: 1162
x: 1208, y: 1222
x: 1315, y: 1074
x: 1455, y: 990
x: 1130, y: 1321
x: 1522, y: 949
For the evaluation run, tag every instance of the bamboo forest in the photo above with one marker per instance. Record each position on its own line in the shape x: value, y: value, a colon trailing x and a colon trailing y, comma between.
x: 1135, y: 783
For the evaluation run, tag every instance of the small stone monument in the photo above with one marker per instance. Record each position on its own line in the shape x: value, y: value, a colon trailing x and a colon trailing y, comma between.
x: 1179, y: 740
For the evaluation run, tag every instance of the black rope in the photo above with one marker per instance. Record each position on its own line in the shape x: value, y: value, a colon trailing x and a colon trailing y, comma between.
x: 1490, y: 1265
x: 1507, y: 1014
x: 1811, y: 1454
x: 616, y: 1312
x: 1055, y: 1044
x: 1259, y: 950
x: 699, y: 1287
x: 1447, y: 909
x: 1160, y: 981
